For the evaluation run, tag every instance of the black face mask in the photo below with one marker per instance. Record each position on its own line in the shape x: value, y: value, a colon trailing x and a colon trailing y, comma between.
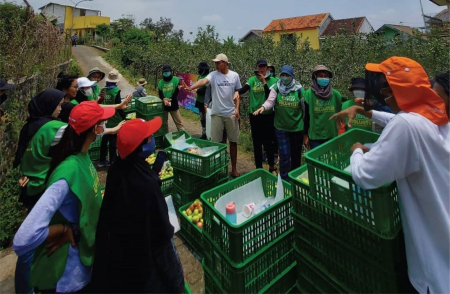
x: 375, y: 81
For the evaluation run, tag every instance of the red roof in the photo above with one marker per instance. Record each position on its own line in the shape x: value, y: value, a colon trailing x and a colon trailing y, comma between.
x: 296, y: 23
x: 349, y: 25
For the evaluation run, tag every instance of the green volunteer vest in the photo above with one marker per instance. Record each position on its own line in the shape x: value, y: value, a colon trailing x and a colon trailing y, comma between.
x: 320, y: 111
x: 201, y: 98
x: 359, y: 121
x: 288, y: 112
x: 95, y: 93
x: 83, y: 181
x: 35, y: 162
x: 257, y: 94
x: 110, y: 99
x: 73, y: 101
x: 168, y: 88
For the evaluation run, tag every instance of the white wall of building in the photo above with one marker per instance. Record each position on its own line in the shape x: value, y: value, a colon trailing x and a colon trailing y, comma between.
x: 366, y: 27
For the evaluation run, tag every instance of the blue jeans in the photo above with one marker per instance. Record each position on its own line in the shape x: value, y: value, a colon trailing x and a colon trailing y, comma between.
x: 290, y: 151
x: 22, y: 275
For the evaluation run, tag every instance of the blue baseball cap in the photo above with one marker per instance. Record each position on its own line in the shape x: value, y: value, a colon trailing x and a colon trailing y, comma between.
x: 287, y: 69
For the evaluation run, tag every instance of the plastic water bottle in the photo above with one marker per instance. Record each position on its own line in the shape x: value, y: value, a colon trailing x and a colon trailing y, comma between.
x: 231, y: 212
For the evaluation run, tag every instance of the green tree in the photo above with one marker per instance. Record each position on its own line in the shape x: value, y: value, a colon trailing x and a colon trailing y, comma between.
x: 120, y: 26
x: 103, y: 30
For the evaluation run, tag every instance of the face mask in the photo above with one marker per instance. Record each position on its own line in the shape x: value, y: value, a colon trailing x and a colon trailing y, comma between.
x: 87, y: 92
x: 148, y: 149
x: 99, y: 137
x: 323, y: 82
x: 286, y: 80
x: 359, y: 93
x: 167, y: 74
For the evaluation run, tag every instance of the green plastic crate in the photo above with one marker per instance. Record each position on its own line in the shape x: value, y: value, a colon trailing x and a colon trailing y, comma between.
x: 351, y: 233
x: 377, y: 210
x: 175, y: 135
x: 149, y: 105
x: 312, y: 280
x: 95, y: 144
x: 191, y: 184
x: 242, y: 242
x: 284, y: 283
x: 256, y: 273
x: 161, y: 132
x: 349, y: 265
x: 132, y: 105
x: 159, y: 142
x: 180, y: 198
x: 201, y: 166
x: 190, y: 233
x: 167, y: 186
x: 94, y: 153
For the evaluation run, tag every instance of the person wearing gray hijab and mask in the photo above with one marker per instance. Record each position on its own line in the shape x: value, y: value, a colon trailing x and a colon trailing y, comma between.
x: 324, y: 101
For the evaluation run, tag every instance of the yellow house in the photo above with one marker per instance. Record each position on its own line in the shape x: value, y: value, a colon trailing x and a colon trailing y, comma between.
x: 75, y: 19
x: 308, y: 27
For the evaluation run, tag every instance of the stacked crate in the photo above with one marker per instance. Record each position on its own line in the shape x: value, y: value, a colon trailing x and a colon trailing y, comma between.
x: 347, y: 239
x: 256, y: 256
x: 130, y: 113
x: 193, y: 175
x: 94, y: 150
x: 148, y: 108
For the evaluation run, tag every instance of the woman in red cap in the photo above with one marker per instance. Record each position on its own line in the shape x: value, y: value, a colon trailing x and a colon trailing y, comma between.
x: 134, y: 250
x: 60, y: 229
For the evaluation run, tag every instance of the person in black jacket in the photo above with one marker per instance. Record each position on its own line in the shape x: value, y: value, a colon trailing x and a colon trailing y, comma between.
x: 135, y: 252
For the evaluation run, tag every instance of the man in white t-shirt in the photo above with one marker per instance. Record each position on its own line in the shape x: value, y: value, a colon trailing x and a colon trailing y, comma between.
x: 225, y: 105
x: 414, y: 150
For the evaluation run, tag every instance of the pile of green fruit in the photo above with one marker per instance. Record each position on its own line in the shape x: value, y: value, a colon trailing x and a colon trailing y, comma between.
x: 195, y: 213
x: 151, y: 159
x: 166, y: 172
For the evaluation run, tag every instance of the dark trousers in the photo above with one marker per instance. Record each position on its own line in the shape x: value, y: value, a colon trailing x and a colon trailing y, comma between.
x: 111, y: 139
x: 290, y: 148
x: 316, y: 143
x: 202, y: 113
x: 263, y: 130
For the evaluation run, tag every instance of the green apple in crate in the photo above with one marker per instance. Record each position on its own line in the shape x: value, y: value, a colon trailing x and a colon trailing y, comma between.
x: 195, y: 213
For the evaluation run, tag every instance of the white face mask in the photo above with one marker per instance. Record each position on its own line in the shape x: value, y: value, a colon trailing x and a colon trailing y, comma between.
x: 359, y: 93
x: 99, y: 136
x: 88, y: 92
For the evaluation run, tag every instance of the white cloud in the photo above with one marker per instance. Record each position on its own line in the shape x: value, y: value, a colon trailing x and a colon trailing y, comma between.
x: 214, y: 18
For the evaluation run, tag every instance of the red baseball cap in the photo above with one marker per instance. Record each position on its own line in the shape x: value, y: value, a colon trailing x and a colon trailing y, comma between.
x: 86, y: 114
x: 133, y: 132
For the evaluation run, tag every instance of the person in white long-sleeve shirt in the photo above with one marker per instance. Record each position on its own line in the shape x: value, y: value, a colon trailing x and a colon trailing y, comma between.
x: 414, y: 150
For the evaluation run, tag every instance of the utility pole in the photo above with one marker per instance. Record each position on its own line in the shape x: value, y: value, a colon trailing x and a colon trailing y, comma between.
x: 73, y: 12
x: 423, y: 15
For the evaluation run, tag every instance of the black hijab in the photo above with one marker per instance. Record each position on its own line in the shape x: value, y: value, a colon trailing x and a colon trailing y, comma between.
x: 40, y: 108
x: 133, y: 220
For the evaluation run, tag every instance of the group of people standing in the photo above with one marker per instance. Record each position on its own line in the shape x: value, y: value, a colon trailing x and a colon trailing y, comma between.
x: 74, y: 238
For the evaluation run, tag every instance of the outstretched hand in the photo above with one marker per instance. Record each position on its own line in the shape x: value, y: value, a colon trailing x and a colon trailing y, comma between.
x: 124, y: 104
x: 259, y: 111
x: 349, y: 113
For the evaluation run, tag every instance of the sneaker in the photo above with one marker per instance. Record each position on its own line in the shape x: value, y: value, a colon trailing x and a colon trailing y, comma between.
x: 103, y: 163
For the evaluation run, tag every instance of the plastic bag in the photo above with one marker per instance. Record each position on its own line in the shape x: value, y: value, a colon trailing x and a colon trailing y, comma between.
x: 208, y: 150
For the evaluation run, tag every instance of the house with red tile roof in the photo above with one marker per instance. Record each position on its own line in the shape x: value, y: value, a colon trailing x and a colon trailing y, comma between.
x: 308, y: 27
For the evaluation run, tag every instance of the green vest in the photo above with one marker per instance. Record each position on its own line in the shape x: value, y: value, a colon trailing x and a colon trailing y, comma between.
x: 359, y: 121
x: 320, y: 111
x: 257, y: 93
x: 83, y: 181
x: 168, y: 88
x: 73, y: 101
x: 35, y: 162
x: 95, y: 93
x: 110, y: 99
x: 201, y: 98
x: 288, y: 112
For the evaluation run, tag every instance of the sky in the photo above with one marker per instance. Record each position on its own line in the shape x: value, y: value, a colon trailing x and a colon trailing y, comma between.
x: 236, y: 17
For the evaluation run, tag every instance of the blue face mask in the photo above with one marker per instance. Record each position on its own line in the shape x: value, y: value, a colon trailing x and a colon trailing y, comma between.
x: 148, y: 149
x: 286, y: 80
x: 323, y: 82
x: 167, y: 74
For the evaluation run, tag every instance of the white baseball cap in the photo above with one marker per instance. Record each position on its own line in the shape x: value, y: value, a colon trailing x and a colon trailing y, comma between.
x: 221, y: 57
x: 84, y: 82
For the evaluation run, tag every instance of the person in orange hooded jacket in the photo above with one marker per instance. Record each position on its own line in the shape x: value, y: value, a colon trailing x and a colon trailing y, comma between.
x: 414, y: 150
